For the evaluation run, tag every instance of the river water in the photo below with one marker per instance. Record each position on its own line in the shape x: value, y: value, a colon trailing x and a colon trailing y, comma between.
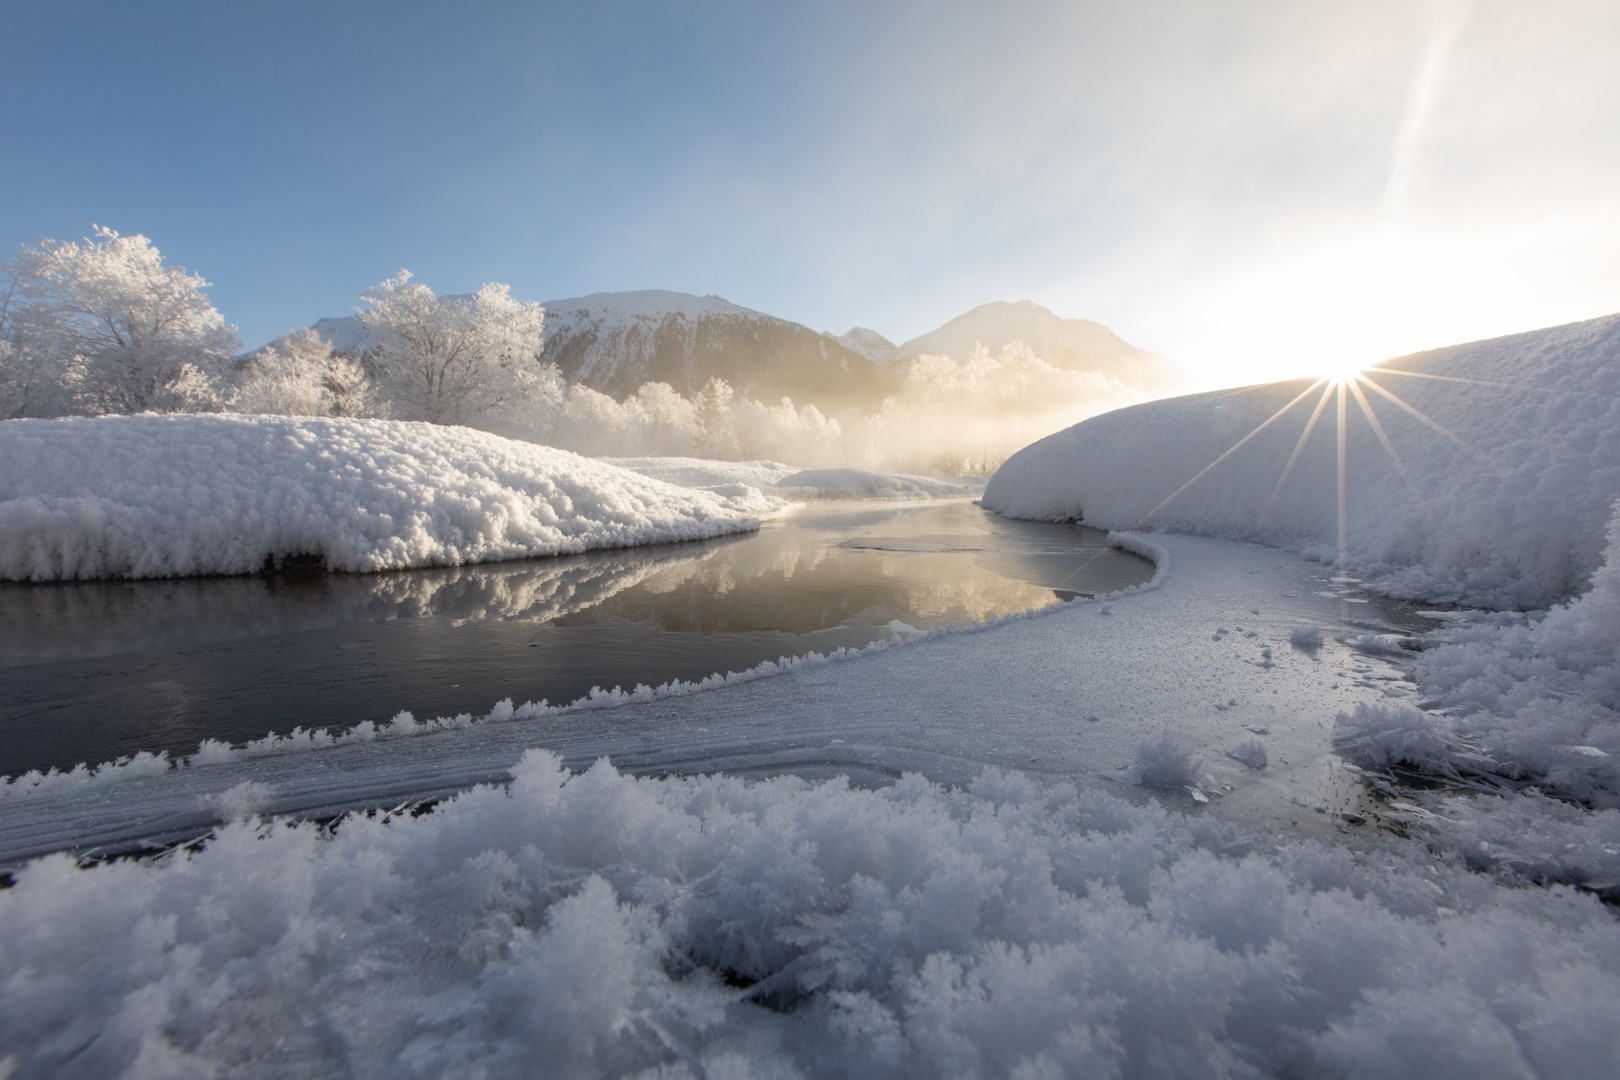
x: 90, y: 671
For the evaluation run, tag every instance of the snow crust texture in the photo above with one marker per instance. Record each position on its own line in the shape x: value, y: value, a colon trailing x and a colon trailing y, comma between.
x: 710, y: 926
x: 1500, y: 497
x: 165, y: 496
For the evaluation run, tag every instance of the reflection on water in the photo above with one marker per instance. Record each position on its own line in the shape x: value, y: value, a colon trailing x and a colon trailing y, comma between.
x: 86, y: 619
x: 91, y: 670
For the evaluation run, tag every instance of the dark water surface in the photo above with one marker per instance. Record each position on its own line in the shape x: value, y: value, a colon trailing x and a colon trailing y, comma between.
x: 93, y: 670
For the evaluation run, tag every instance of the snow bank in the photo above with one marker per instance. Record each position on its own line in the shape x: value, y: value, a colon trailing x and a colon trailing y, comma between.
x: 1507, y: 510
x: 1516, y: 706
x: 790, y: 481
x: 605, y: 925
x: 1532, y: 701
x: 164, y: 496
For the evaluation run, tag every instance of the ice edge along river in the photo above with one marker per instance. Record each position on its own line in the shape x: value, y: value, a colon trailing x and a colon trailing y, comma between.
x: 1204, y: 652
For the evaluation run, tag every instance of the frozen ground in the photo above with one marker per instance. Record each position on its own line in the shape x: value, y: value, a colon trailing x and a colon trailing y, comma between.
x: 169, y: 496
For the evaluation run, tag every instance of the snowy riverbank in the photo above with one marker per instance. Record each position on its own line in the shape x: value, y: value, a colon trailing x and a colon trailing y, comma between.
x: 168, y: 496
x: 1024, y: 922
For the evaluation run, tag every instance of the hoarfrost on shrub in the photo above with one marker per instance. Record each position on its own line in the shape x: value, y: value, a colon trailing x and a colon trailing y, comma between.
x: 605, y: 924
x: 1306, y: 639
x: 1162, y: 762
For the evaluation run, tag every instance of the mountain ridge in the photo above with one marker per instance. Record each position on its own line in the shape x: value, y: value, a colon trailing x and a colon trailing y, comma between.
x: 614, y: 342
x: 1071, y: 344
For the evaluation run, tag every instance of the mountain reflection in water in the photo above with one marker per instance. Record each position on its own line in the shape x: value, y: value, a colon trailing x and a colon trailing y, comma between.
x: 92, y: 670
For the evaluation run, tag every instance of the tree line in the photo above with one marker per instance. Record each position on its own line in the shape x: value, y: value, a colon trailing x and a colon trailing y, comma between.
x: 104, y: 327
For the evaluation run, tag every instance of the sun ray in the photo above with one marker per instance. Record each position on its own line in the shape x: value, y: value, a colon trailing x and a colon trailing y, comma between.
x: 1441, y: 428
x: 1264, y: 424
x: 1310, y: 426
x: 1267, y: 423
x: 1344, y: 505
x: 1389, y: 448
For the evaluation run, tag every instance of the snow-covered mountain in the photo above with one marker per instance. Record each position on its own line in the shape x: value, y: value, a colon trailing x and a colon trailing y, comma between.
x: 614, y: 342
x: 869, y: 343
x: 344, y: 334
x: 1072, y: 344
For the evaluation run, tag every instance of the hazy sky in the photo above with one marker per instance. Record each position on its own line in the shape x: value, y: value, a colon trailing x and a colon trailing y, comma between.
x: 1253, y: 189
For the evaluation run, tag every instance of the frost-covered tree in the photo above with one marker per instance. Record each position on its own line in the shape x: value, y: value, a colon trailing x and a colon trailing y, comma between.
x: 104, y: 327
x: 20, y: 368
x: 453, y: 359
x: 300, y: 375
x: 655, y: 420
x: 668, y: 419
x: 786, y: 432
x: 717, y: 435
x: 37, y: 372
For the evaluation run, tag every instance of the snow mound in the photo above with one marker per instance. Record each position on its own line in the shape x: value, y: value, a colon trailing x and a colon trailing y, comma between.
x: 1504, y: 507
x: 790, y: 481
x: 606, y: 925
x: 165, y: 496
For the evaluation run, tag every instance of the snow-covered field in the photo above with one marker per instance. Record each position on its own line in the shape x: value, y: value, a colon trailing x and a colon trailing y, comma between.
x: 167, y: 496
x: 791, y: 482
x: 1046, y: 919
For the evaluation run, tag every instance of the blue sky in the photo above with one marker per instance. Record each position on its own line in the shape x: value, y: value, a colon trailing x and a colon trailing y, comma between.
x: 1214, y: 181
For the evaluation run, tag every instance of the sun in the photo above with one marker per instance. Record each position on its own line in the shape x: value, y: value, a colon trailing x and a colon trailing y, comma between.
x: 1341, y: 372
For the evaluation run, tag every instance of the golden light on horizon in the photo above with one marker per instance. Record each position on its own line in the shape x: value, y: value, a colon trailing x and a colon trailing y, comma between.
x: 1347, y: 298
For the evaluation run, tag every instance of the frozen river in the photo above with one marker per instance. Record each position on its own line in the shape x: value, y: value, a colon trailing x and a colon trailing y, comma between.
x: 90, y: 671
x: 1203, y: 652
